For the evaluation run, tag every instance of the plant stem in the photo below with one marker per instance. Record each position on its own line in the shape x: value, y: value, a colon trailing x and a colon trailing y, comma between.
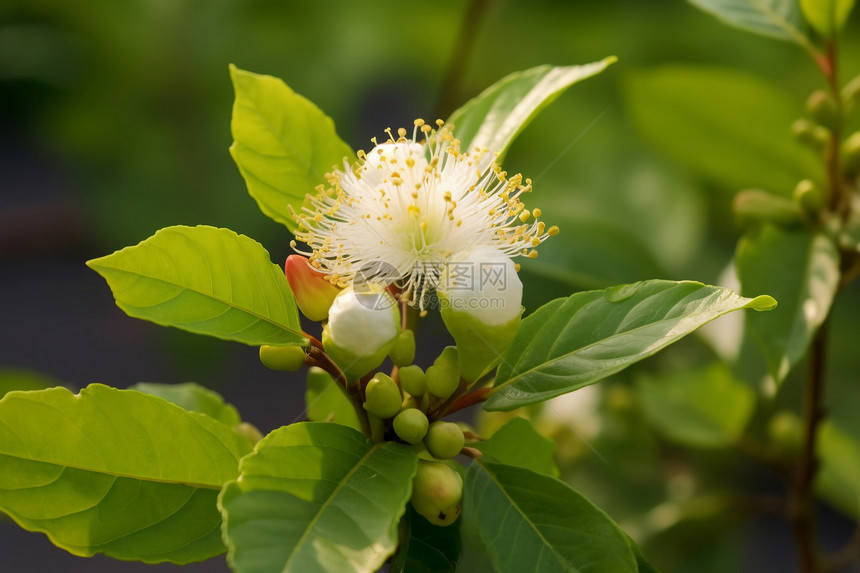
x: 469, y: 399
x: 449, y: 93
x: 351, y: 391
x: 801, y: 497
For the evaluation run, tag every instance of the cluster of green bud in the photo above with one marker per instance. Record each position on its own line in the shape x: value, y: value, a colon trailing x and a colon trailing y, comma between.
x: 437, y: 492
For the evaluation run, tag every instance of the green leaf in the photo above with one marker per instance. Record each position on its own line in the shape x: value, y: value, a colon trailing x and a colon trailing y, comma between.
x: 778, y: 19
x: 283, y: 144
x: 494, y: 118
x: 116, y: 472
x: 705, y: 407
x: 205, y: 280
x: 826, y: 16
x: 801, y: 269
x: 840, y: 465
x: 526, y: 521
x: 317, y: 497
x: 326, y: 402
x: 426, y: 548
x: 732, y: 126
x: 194, y: 398
x: 20, y: 379
x: 573, y: 342
x: 517, y: 443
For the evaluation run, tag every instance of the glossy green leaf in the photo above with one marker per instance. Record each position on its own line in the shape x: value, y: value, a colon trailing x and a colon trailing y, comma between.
x: 494, y: 118
x: 326, y: 402
x: 826, y: 16
x: 526, y: 521
x: 517, y: 443
x: 317, y: 497
x: 116, y: 472
x: 283, y: 144
x: 837, y: 478
x: 194, y: 398
x: 732, y: 126
x: 705, y: 407
x: 204, y: 280
x: 426, y: 548
x: 779, y: 19
x: 801, y: 269
x: 573, y: 342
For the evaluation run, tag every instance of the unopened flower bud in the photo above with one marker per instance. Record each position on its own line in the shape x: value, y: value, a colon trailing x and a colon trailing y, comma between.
x: 822, y: 109
x: 382, y: 396
x: 410, y: 425
x: 851, y: 154
x: 289, y: 358
x: 437, y: 492
x: 809, y: 134
x: 808, y: 195
x: 361, y: 330
x: 412, y: 379
x: 483, y: 314
x: 314, y: 293
x: 444, y: 440
x: 403, y: 352
x: 755, y: 206
x: 443, y: 376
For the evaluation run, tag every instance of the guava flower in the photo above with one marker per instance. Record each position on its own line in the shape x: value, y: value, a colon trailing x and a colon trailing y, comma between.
x: 405, y: 210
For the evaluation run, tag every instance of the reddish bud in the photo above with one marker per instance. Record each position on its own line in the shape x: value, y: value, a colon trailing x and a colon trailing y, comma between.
x: 314, y: 293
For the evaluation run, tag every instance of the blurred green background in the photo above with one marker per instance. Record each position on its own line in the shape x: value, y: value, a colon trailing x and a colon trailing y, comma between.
x: 115, y: 122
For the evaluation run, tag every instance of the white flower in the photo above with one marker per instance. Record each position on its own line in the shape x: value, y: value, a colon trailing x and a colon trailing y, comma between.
x: 403, y: 212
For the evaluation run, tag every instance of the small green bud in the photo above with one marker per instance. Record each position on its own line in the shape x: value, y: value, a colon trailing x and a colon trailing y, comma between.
x: 382, y: 396
x: 444, y: 376
x: 809, y: 134
x: 755, y: 205
x: 410, y: 425
x: 851, y: 94
x: 851, y: 154
x: 412, y: 379
x: 822, y: 109
x: 403, y: 352
x: 808, y: 195
x: 437, y: 492
x: 289, y: 358
x: 444, y: 440
x: 786, y: 430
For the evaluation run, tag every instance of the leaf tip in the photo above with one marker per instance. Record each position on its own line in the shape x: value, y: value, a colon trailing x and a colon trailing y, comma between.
x: 762, y: 303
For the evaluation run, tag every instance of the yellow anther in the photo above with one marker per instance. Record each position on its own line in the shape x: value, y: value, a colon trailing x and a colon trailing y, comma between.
x: 533, y: 254
x: 517, y: 267
x: 419, y: 122
x: 537, y: 213
x: 552, y: 231
x: 524, y: 216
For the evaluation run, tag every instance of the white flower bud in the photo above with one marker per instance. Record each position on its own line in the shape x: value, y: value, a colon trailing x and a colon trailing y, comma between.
x: 483, y: 283
x: 361, y: 330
